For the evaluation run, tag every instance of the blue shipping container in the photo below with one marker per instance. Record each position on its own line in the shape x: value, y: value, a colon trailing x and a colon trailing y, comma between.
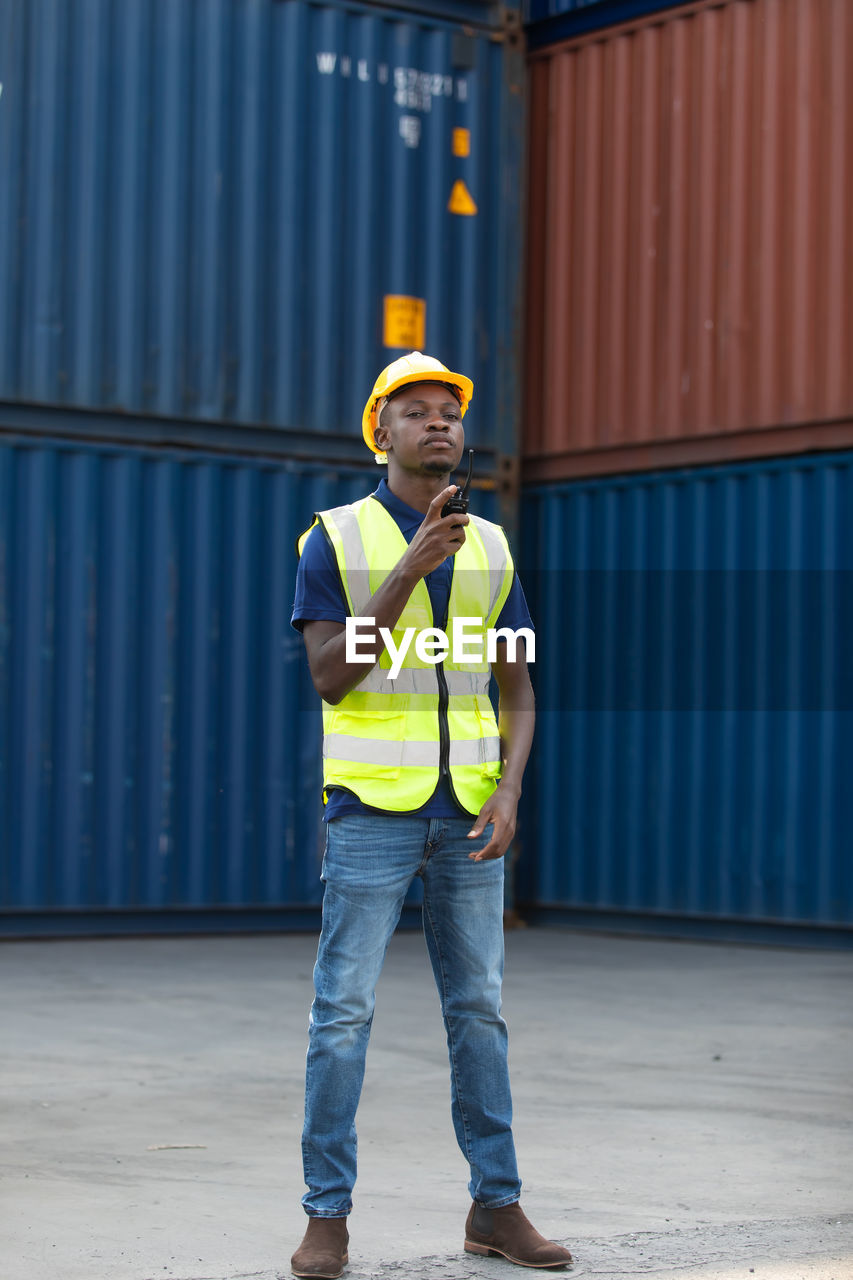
x: 160, y: 740
x: 549, y: 21
x: 691, y: 769
x: 241, y: 210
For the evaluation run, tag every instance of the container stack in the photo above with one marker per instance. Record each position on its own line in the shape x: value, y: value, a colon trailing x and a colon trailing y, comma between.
x: 219, y: 219
x: 688, y: 464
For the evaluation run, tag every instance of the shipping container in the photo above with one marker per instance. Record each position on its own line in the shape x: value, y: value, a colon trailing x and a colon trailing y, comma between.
x: 548, y: 21
x: 691, y: 769
x: 160, y: 740
x: 690, y: 256
x: 241, y: 210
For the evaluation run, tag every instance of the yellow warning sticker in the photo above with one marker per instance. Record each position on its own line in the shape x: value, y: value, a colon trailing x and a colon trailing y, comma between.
x: 462, y: 142
x: 404, y: 322
x: 461, y: 200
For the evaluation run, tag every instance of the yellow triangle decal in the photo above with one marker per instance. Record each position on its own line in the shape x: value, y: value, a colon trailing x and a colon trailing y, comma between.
x: 461, y: 200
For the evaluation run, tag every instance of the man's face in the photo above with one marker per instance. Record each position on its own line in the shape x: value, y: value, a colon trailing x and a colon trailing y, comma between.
x: 422, y: 429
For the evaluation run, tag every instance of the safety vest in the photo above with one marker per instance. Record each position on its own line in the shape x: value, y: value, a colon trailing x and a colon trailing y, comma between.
x: 388, y: 740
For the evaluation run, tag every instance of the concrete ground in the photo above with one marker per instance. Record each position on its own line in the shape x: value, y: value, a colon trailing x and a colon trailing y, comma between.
x: 681, y: 1110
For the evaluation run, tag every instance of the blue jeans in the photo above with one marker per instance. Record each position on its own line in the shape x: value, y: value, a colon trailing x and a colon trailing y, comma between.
x: 368, y: 866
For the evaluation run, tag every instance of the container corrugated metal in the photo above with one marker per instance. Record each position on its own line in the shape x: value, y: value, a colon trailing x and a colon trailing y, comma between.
x: 691, y: 264
x: 482, y: 13
x: 551, y: 20
x: 159, y: 735
x: 694, y: 696
x: 206, y: 203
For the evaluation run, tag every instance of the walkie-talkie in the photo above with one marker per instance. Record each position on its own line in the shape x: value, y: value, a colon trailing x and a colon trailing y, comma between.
x: 458, y: 504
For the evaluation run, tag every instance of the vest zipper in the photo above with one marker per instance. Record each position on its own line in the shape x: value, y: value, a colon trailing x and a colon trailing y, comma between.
x: 443, y: 729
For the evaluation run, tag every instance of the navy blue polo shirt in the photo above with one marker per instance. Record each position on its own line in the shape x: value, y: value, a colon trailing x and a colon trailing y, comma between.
x: 319, y: 595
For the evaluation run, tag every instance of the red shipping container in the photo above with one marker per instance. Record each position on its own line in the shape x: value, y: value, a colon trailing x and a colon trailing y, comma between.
x: 690, y: 259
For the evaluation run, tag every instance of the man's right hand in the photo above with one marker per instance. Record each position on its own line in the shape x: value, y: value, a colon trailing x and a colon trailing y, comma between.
x: 437, y: 538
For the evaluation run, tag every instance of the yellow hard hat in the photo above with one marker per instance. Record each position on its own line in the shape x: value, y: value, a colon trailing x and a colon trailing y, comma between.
x: 415, y: 367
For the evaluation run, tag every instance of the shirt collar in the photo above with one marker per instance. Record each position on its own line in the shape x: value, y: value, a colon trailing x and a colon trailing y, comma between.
x: 395, y: 506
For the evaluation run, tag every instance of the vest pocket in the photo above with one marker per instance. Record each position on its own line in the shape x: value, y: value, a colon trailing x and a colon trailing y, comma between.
x: 490, y: 748
x: 364, y: 744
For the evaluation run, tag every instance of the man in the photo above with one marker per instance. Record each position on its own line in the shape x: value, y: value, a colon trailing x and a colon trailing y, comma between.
x: 418, y: 780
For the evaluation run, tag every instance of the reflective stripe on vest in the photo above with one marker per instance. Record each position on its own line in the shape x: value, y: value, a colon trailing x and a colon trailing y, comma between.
x: 406, y: 754
x: 423, y: 680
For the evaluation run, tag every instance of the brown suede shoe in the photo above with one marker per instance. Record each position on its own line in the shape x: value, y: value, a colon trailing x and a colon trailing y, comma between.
x: 323, y: 1252
x: 507, y: 1232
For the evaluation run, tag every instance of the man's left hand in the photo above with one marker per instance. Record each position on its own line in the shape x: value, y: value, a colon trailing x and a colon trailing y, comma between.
x: 500, y: 808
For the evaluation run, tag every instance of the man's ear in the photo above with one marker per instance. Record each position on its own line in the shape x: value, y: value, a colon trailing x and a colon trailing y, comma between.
x: 381, y: 437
